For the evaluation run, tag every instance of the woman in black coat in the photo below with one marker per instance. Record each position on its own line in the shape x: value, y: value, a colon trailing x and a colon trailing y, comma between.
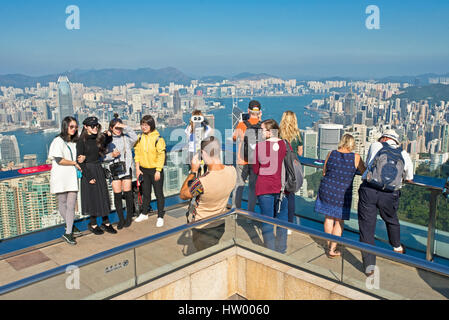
x: 94, y: 190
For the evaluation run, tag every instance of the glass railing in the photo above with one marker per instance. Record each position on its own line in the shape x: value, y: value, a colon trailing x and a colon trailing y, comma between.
x: 116, y: 271
x: 423, y: 211
x: 395, y: 276
x: 27, y: 206
x: 427, y: 238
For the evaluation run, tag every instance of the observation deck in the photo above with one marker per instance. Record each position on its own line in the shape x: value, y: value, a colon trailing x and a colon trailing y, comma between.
x: 145, y: 262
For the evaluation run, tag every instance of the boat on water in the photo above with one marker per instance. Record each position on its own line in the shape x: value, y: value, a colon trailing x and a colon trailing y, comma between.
x: 51, y: 130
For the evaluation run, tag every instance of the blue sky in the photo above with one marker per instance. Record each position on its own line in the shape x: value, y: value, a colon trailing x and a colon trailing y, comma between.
x: 199, y: 37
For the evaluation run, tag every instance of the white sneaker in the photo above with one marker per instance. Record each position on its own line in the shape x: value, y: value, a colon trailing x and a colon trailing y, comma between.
x: 160, y: 222
x: 141, y: 218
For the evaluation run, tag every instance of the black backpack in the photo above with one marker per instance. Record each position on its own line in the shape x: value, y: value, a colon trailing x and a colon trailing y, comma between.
x: 292, y: 174
x: 253, y: 135
x: 387, y: 169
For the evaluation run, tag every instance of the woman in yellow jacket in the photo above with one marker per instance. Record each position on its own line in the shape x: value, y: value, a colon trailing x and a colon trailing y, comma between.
x: 150, y: 159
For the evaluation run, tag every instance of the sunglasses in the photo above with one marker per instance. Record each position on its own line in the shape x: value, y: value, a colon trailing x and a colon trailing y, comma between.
x: 94, y: 126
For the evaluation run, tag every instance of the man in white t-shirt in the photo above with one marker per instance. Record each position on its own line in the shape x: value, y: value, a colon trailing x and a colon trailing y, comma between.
x: 372, y: 199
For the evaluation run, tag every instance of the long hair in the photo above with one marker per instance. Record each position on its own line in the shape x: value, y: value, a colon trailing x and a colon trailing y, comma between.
x: 65, y: 130
x: 100, y: 140
x: 289, y: 127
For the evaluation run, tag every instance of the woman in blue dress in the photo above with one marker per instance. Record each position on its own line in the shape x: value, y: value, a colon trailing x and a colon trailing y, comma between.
x: 335, y: 192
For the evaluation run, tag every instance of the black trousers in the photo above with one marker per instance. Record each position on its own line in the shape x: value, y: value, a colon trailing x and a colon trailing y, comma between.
x: 148, y: 183
x: 371, y: 200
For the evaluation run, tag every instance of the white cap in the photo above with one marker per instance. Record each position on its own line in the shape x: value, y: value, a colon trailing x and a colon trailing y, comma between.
x: 390, y: 133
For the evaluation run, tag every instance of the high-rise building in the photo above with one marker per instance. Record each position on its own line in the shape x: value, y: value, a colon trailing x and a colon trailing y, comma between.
x: 30, y: 160
x: 65, y: 101
x: 310, y: 146
x: 25, y: 202
x: 445, y: 138
x: 329, y: 136
x: 9, y: 150
x: 350, y: 104
x: 177, y: 104
x: 359, y: 134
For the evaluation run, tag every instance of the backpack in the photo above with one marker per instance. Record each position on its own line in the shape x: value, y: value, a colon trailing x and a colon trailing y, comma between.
x: 387, y: 169
x: 253, y: 135
x: 292, y: 174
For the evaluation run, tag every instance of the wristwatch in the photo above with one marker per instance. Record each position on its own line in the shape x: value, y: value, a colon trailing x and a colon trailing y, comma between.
x: 193, y: 172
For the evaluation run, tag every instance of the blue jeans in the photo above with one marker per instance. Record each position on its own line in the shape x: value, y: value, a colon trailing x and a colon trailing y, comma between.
x: 268, y: 206
x: 291, y: 207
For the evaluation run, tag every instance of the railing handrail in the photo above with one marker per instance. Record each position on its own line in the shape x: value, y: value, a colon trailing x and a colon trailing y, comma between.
x: 420, y: 181
x: 106, y: 254
x: 380, y: 252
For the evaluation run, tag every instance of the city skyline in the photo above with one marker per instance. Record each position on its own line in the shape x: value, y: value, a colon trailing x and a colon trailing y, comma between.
x: 285, y: 38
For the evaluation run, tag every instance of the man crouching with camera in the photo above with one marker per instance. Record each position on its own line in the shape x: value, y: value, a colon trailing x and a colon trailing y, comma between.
x: 210, y: 192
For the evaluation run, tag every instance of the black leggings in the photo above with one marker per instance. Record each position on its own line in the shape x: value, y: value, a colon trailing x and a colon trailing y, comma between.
x: 148, y: 183
x: 119, y: 205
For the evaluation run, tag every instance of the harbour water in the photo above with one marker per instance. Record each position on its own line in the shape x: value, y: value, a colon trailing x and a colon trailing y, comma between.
x: 272, y: 107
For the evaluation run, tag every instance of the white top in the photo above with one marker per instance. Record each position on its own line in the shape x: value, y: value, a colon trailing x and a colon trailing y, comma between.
x: 375, y: 148
x: 62, y: 178
x: 190, y: 137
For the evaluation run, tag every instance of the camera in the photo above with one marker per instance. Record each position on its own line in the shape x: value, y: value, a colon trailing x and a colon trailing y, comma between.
x: 244, y: 117
x: 199, y: 119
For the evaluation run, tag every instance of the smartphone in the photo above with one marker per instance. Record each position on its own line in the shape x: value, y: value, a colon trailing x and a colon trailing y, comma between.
x: 244, y: 116
x: 140, y: 178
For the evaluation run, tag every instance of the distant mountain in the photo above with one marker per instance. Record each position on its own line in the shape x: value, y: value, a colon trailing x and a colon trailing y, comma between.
x: 252, y: 76
x: 435, y: 92
x: 421, y: 79
x: 212, y: 79
x: 106, y: 78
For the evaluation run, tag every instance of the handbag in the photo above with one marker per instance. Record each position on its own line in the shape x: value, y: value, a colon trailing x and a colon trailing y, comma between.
x: 118, y: 168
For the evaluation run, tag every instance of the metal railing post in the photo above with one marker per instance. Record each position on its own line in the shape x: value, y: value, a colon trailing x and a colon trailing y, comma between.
x: 432, y: 224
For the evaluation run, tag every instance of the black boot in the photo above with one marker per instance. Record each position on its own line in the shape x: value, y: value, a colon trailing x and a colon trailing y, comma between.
x: 129, y: 208
x: 119, y: 208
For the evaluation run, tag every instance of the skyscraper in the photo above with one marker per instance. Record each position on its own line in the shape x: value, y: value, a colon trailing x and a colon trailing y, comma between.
x: 9, y: 150
x: 65, y: 101
x: 445, y: 138
x: 177, y: 104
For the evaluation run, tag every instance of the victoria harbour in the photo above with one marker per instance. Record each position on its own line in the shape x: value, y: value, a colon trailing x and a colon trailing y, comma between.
x: 38, y: 143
